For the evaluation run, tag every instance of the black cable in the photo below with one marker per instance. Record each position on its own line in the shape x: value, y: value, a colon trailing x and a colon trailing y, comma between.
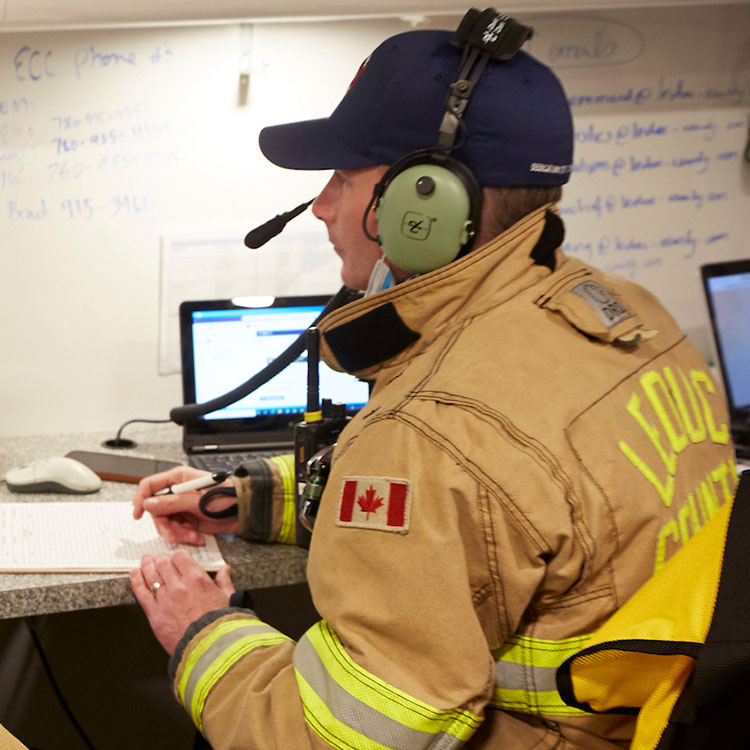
x: 119, y: 442
x: 56, y: 687
x: 191, y: 412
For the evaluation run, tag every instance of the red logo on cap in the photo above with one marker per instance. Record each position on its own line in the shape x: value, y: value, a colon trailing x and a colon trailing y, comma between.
x: 359, y: 72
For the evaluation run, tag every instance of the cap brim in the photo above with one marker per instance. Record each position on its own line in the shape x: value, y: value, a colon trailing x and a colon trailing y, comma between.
x: 310, y: 144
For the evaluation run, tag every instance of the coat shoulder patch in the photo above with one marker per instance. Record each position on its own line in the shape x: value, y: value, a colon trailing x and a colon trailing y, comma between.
x: 375, y: 503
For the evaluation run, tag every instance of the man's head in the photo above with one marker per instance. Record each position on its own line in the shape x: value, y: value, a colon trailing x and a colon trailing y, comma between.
x: 517, y: 126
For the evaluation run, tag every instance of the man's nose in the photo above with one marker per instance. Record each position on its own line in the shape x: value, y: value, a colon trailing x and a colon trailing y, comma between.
x: 323, y: 206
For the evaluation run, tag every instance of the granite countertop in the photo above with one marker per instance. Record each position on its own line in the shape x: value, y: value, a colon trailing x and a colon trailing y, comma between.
x: 25, y: 594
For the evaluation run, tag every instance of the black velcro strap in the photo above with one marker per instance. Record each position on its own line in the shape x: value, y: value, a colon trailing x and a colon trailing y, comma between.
x: 370, y: 339
x: 261, y: 503
x: 552, y: 236
x: 498, y: 35
x: 242, y: 598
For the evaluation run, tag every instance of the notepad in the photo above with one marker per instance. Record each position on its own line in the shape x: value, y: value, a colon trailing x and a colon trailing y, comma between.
x: 85, y: 537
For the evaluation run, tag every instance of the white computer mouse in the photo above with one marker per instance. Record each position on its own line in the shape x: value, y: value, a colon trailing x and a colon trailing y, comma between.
x: 56, y: 474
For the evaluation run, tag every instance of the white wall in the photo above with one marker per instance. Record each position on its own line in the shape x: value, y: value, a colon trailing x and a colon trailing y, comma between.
x: 112, y: 140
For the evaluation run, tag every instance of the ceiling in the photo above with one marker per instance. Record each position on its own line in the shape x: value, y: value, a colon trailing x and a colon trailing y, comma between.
x: 59, y: 14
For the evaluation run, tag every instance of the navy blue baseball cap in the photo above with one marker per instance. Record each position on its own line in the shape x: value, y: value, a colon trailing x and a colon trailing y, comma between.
x: 519, y: 129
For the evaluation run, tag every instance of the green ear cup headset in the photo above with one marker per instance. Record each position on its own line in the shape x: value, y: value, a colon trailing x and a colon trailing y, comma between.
x: 428, y: 204
x: 428, y: 210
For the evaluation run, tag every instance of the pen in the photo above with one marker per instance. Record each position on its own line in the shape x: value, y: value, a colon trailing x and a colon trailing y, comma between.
x: 195, y: 484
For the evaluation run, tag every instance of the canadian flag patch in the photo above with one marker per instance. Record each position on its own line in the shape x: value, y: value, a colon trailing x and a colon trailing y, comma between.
x: 375, y: 503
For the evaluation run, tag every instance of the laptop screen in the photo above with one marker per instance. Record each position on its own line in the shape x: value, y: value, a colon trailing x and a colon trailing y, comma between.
x: 727, y: 287
x: 224, y: 344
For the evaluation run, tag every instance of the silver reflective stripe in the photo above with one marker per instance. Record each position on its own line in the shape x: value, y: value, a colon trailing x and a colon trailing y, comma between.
x: 525, y: 677
x: 210, y: 655
x: 358, y: 715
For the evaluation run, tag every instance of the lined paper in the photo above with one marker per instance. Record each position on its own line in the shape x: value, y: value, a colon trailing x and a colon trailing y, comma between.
x: 85, y: 537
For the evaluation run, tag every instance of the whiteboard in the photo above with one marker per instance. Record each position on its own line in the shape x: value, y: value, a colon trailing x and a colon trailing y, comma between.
x: 115, y: 145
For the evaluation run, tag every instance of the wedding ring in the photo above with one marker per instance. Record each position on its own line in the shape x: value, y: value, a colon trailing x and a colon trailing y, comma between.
x: 156, y: 586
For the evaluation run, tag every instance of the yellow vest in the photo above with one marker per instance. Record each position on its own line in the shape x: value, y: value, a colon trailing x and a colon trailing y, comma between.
x: 678, y: 652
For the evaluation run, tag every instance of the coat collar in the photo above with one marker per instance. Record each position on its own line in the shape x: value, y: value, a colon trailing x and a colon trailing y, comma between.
x: 390, y: 327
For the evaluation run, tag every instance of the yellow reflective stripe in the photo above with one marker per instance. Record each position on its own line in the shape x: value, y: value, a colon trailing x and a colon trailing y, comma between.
x: 546, y: 702
x: 319, y: 717
x: 540, y: 652
x: 285, y: 465
x: 523, y: 662
x: 221, y: 665
x: 382, y: 697
x: 202, y: 682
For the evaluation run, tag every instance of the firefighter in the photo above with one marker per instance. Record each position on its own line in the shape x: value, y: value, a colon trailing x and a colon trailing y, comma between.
x: 540, y: 439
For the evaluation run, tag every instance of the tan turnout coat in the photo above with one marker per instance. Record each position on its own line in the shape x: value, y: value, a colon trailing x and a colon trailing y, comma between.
x: 540, y: 439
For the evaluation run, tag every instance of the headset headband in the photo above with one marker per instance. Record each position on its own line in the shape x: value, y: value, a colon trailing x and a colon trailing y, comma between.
x: 483, y: 35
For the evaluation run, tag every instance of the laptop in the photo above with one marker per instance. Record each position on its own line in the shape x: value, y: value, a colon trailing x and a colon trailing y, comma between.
x: 223, y: 344
x: 727, y: 290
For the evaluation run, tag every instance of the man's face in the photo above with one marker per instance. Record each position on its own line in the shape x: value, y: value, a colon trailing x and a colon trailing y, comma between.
x: 341, y: 206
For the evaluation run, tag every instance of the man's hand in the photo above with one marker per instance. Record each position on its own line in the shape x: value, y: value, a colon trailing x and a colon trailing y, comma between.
x: 177, y: 517
x: 186, y: 592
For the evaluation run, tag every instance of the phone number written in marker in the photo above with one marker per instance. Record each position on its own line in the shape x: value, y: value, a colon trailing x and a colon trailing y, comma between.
x: 80, y: 208
x: 87, y: 208
x: 71, y: 169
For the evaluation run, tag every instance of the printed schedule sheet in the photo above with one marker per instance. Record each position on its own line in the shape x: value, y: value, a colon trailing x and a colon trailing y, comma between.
x: 85, y: 537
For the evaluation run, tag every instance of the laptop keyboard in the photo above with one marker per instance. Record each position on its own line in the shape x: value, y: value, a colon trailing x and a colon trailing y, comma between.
x: 230, y: 461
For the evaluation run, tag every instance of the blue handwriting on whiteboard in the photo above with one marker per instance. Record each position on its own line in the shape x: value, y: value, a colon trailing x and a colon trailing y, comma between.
x: 632, y: 202
x: 596, y: 41
x: 597, y: 49
x: 699, y: 160
x: 640, y: 96
x: 620, y: 245
x: 647, y: 163
x: 620, y: 135
x: 676, y: 92
x: 685, y: 240
x: 17, y: 212
x: 734, y: 95
x: 15, y: 106
x: 609, y: 246
x: 78, y: 208
x: 612, y: 166
x: 9, y: 178
x: 32, y: 64
x: 160, y: 53
x: 92, y: 58
x: 10, y: 154
x: 693, y: 198
x: 606, y: 204
x: 708, y: 129
x: 665, y: 92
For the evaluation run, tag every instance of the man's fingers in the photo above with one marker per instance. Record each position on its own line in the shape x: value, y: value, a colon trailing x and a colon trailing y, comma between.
x: 168, y: 505
x: 142, y: 592
x: 185, y: 564
x: 155, y: 482
x: 149, y: 572
x: 178, y: 531
x: 166, y: 571
x: 164, y: 528
x: 186, y: 534
x: 224, y: 580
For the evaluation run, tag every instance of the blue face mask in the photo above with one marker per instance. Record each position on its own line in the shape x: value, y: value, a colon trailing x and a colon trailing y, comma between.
x: 380, y: 278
